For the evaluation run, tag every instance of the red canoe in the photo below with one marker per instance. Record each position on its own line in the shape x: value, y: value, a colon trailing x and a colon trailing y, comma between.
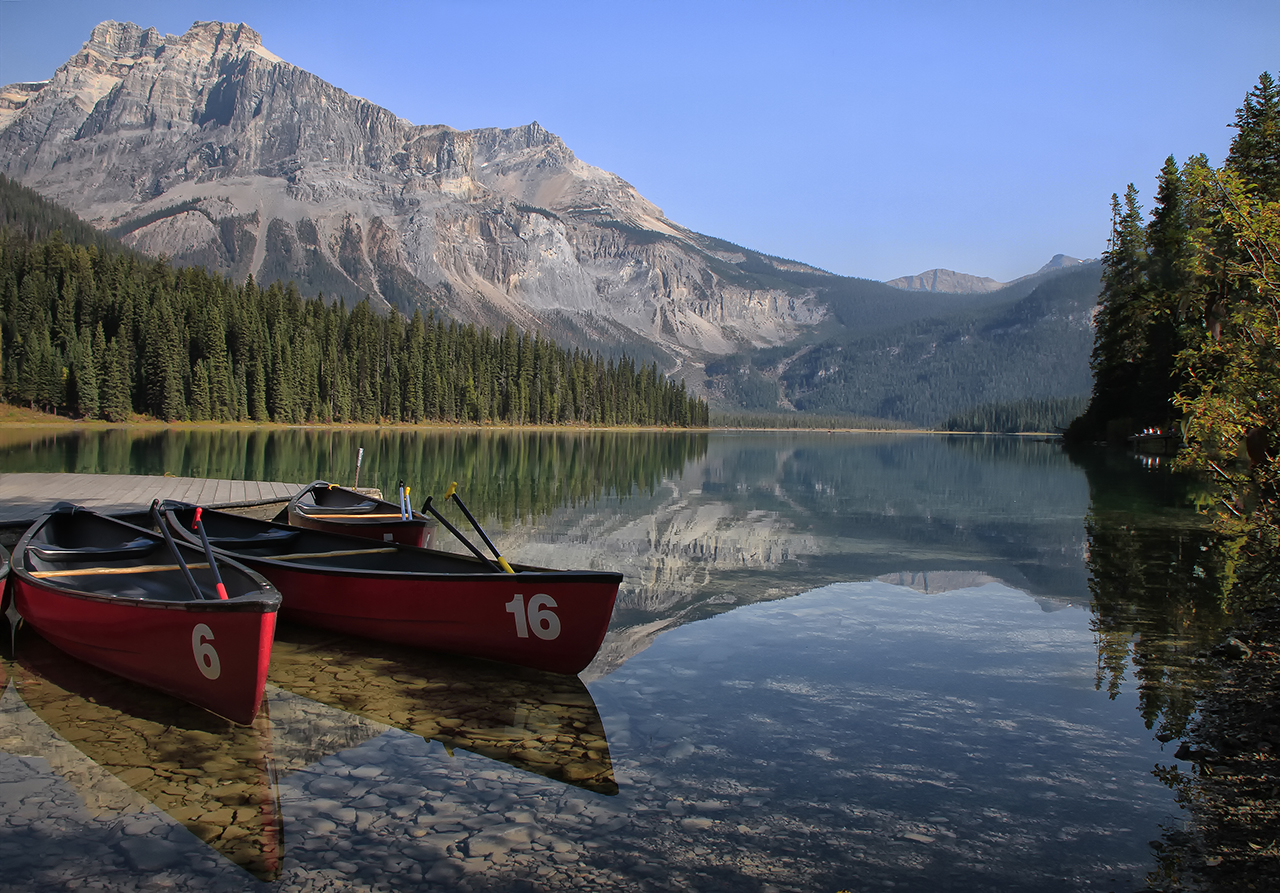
x: 545, y: 619
x: 111, y: 594
x: 328, y: 507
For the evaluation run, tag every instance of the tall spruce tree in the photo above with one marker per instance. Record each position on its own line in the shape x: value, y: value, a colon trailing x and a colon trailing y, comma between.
x: 1120, y: 335
x: 1255, y: 149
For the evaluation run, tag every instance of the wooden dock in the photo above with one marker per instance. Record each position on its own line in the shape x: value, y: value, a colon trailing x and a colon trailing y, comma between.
x: 25, y: 497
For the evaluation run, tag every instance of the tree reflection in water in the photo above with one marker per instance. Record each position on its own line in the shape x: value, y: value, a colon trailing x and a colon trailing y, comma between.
x: 1156, y: 607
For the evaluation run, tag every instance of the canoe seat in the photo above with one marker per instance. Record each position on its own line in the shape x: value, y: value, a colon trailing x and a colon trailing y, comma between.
x: 140, y: 546
x: 357, y: 509
x: 265, y: 538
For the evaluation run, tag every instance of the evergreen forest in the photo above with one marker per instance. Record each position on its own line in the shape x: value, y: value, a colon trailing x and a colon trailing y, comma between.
x: 1188, y: 331
x: 91, y: 330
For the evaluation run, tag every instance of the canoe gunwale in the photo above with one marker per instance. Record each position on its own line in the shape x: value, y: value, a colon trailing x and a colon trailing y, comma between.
x: 235, y: 604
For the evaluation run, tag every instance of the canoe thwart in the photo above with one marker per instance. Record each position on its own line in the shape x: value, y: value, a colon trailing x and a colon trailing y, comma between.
x: 265, y: 538
x: 49, y: 552
x: 131, y: 569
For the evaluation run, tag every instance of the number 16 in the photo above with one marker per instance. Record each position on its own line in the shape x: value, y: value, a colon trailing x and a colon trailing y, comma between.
x: 543, y: 621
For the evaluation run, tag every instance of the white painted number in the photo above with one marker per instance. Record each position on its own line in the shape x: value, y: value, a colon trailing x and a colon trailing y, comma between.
x: 206, y: 657
x: 543, y: 621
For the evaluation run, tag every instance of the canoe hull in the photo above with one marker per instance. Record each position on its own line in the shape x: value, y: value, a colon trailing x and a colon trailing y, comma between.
x: 110, y: 594
x: 217, y: 660
x: 405, y: 533
x: 544, y: 619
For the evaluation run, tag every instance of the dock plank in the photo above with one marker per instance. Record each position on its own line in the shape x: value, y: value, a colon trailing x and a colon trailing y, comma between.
x: 24, y: 496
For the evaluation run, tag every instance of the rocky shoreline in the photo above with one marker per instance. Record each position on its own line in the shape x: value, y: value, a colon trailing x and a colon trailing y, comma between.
x: 1232, y: 791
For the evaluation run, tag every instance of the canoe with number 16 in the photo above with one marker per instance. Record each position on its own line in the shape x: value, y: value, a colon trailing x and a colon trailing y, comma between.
x: 535, y: 617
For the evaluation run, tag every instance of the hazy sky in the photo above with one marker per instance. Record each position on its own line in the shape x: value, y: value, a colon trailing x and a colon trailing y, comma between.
x: 873, y: 139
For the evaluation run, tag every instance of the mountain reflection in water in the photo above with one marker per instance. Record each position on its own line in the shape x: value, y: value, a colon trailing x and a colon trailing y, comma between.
x: 838, y: 661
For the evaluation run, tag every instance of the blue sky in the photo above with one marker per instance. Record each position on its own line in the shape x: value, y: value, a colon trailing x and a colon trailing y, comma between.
x: 873, y: 139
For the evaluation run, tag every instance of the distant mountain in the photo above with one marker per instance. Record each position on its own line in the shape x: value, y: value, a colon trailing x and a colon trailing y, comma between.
x: 213, y: 151
x: 948, y: 281
x: 1029, y: 340
x: 210, y: 149
x: 951, y: 282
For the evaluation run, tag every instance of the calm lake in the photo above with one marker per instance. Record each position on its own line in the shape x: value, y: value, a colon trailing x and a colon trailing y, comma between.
x: 838, y: 662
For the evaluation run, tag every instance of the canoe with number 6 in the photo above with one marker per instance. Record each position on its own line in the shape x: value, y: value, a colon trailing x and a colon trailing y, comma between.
x: 115, y: 596
x: 546, y: 619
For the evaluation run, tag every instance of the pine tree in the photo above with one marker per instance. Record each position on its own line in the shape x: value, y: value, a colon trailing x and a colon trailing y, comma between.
x: 1168, y: 290
x: 201, y: 404
x: 87, y: 377
x: 115, y: 385
x: 1255, y: 149
x: 1120, y: 334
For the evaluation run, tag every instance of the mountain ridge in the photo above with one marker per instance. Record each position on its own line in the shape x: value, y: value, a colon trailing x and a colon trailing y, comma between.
x: 952, y: 282
x: 211, y: 150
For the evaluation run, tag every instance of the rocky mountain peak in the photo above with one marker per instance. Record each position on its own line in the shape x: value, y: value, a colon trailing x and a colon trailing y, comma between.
x: 1060, y: 262
x: 946, y: 281
x: 212, y: 150
x: 125, y: 40
x: 117, y: 40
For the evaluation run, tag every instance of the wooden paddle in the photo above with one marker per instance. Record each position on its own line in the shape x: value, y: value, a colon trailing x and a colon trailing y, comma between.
x: 428, y: 507
x: 208, y: 553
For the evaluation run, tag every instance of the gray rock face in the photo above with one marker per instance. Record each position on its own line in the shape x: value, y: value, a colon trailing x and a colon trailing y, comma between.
x: 208, y: 148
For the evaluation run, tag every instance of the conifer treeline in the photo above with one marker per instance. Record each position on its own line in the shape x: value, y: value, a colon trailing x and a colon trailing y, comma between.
x: 1188, y: 333
x: 102, y: 334
x: 1020, y: 416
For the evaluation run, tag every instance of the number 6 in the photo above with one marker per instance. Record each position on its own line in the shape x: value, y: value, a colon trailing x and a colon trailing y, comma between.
x: 206, y: 656
x: 545, y: 623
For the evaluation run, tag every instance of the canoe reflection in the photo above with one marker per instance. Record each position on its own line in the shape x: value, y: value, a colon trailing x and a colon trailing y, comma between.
x: 545, y: 723
x: 214, y: 777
